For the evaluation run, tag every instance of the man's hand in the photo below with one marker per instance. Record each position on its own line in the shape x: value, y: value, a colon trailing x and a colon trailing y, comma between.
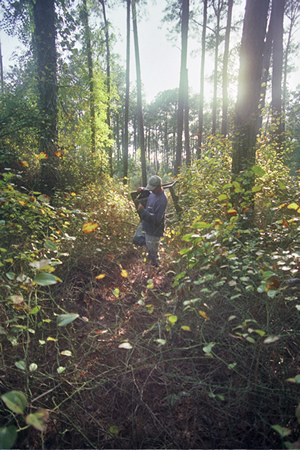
x: 139, y: 189
x: 140, y: 206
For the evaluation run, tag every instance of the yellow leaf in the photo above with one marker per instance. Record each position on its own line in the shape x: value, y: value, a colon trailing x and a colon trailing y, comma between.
x: 22, y: 203
x: 203, y: 314
x: 293, y: 206
x: 186, y: 328
x: 89, y: 227
x: 99, y: 277
x: 124, y: 273
x: 232, y: 211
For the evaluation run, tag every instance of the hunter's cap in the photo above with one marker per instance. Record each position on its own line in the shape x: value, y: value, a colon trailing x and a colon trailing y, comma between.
x: 153, y: 182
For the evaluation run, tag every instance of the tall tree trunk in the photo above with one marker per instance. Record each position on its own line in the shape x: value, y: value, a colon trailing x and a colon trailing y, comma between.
x: 266, y: 66
x: 183, y: 80
x: 201, y: 101
x: 126, y: 120
x: 44, y: 37
x: 250, y: 73
x: 1, y: 70
x: 215, y: 94
x: 278, y: 6
x: 87, y: 38
x: 225, y: 70
x: 139, y: 94
x: 108, y: 83
x: 118, y: 136
x: 292, y: 14
x: 187, y: 121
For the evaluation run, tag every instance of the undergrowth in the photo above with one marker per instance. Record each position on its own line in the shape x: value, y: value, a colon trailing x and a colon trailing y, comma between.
x: 100, y: 351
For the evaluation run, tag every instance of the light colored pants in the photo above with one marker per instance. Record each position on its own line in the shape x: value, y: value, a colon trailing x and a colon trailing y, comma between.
x: 152, y: 244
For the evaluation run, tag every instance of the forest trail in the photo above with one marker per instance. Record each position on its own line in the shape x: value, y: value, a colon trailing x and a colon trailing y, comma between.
x: 137, y: 369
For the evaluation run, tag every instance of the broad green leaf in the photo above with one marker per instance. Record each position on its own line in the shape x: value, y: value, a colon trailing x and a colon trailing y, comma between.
x: 184, y: 251
x: 294, y: 380
x: 113, y: 430
x: 208, y: 348
x: 231, y: 366
x: 10, y: 275
x: 172, y: 319
x: 15, y: 401
x: 250, y: 339
x: 187, y: 237
x: 231, y: 318
x: 8, y: 436
x: 60, y: 369
x: 20, y: 365
x: 50, y: 245
x: 260, y: 332
x: 262, y: 288
x: 161, y: 341
x: 38, y: 419
x: 281, y: 430
x: 271, y: 293
x: 222, y: 197
x: 35, y: 310
x: 33, y: 367
x: 293, y: 206
x: 201, y: 225
x: 256, y: 188
x: 258, y: 171
x: 46, y: 279
x: 65, y: 319
x: 125, y: 345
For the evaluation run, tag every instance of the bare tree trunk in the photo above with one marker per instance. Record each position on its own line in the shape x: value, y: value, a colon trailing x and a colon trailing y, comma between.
x: 225, y: 70
x: 45, y: 50
x: 250, y: 73
x: 183, y: 79
x: 186, y: 121
x: 139, y: 95
x: 292, y: 13
x: 201, y: 102
x: 266, y: 65
x: 217, y: 33
x: 125, y: 151
x: 1, y: 70
x: 108, y: 82
x: 87, y: 38
x: 278, y: 6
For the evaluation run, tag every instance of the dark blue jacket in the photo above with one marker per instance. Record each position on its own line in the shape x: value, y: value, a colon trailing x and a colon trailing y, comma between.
x: 153, y: 216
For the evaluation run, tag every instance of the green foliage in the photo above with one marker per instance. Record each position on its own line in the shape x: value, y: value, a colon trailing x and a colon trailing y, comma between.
x: 16, y: 402
x: 218, y: 252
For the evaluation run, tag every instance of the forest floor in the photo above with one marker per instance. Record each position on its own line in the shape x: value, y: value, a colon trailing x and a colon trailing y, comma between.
x: 135, y: 379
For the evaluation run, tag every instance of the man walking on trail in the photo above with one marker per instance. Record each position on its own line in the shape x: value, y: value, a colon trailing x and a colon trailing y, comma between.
x: 153, y: 216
